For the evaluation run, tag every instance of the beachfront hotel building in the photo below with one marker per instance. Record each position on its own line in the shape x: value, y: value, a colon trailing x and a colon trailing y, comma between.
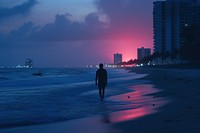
x: 170, y: 19
x: 143, y: 52
x: 117, y: 58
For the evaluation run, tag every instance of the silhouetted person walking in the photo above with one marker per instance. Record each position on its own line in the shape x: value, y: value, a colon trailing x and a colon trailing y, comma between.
x: 101, y: 80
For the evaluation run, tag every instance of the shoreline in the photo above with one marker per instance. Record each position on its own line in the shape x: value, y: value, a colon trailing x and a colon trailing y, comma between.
x: 130, y: 107
x: 182, y: 115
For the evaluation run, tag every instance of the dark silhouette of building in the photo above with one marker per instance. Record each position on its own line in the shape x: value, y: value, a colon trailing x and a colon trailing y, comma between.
x: 29, y: 63
x: 117, y: 58
x: 143, y: 52
x: 171, y: 19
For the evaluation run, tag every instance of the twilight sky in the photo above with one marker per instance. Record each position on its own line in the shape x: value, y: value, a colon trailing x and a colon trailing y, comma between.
x: 73, y: 32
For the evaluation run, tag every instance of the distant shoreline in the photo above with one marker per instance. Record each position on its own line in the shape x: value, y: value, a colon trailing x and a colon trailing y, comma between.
x: 171, y: 66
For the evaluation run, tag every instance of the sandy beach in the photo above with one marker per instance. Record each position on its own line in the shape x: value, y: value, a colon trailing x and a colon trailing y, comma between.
x: 182, y: 114
x: 171, y: 100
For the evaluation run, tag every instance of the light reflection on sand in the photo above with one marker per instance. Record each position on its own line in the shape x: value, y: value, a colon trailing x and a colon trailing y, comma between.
x: 146, y: 104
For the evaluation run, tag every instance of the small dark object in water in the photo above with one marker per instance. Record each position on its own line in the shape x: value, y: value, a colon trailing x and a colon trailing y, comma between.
x: 129, y: 97
x: 37, y: 74
x: 153, y: 104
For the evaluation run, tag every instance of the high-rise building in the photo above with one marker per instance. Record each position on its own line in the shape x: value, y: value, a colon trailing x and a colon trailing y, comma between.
x: 143, y: 52
x: 117, y: 58
x: 28, y: 63
x: 170, y: 20
x: 159, y: 25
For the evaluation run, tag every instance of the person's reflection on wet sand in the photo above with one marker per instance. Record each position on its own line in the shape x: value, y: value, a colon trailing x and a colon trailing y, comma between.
x: 105, y: 115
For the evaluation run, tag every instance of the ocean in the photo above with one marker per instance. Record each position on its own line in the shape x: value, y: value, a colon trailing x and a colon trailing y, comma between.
x: 59, y: 94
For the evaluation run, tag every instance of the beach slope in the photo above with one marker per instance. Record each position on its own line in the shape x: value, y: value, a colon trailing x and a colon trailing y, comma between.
x: 182, y: 114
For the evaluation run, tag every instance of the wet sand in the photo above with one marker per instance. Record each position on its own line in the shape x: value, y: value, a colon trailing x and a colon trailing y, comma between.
x: 182, y: 114
x: 140, y: 104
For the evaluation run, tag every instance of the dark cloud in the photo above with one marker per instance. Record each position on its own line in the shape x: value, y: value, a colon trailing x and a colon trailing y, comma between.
x: 23, y: 33
x: 126, y: 11
x: 17, y: 10
x: 18, y: 37
x: 64, y: 29
x: 128, y: 19
x: 128, y: 16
